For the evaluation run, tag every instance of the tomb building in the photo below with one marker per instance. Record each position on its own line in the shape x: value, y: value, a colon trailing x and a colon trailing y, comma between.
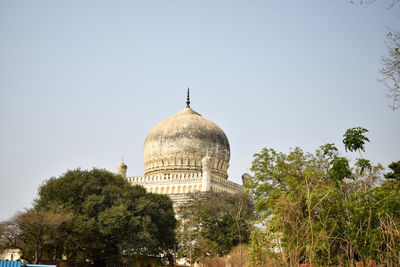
x: 185, y: 153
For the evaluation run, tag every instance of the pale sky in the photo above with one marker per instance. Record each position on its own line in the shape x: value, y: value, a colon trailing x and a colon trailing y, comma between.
x: 83, y: 82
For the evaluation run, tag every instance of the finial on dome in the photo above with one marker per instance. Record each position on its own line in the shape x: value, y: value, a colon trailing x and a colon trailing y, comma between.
x: 188, y: 99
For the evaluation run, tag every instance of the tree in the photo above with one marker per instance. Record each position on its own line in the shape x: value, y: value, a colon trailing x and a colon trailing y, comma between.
x: 390, y: 63
x: 354, y: 140
x: 212, y: 224
x: 314, y: 208
x: 362, y: 2
x: 340, y: 169
x: 395, y: 173
x: 387, y: 204
x: 390, y: 68
x: 110, y: 218
x: 9, y: 234
x: 290, y: 191
x: 30, y: 231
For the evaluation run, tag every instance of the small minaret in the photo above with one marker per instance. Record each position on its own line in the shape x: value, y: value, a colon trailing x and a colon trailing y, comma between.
x: 206, y: 168
x: 121, y: 168
x: 245, y: 178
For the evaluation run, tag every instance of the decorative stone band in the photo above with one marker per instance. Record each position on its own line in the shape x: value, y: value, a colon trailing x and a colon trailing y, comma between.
x: 166, y: 179
x: 183, y: 160
x: 183, y: 163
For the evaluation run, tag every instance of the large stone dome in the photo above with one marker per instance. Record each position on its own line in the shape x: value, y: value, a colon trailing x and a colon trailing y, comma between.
x: 179, y: 143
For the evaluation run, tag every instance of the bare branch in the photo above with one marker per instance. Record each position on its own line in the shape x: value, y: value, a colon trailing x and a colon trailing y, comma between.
x: 390, y: 68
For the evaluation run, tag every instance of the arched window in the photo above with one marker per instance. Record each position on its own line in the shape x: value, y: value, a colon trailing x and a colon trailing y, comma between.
x: 173, y: 190
x: 179, y: 189
x: 194, y: 188
x: 184, y: 189
x: 189, y: 189
x: 162, y: 190
x: 167, y: 190
x: 156, y: 190
x: 199, y: 187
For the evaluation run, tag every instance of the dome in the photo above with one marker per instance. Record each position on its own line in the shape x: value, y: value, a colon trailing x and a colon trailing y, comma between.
x: 179, y: 143
x: 122, y: 165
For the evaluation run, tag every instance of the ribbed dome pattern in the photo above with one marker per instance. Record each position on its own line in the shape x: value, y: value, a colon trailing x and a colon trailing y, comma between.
x: 179, y: 143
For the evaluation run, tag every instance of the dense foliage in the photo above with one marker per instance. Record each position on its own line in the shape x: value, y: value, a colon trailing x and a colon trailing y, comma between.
x: 212, y: 224
x: 316, y: 208
x: 107, y: 218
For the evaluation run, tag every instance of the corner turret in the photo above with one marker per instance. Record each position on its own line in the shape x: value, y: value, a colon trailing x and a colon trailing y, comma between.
x: 122, y: 168
x: 245, y: 178
x: 206, y: 169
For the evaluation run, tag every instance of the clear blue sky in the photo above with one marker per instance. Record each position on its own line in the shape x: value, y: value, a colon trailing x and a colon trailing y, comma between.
x: 83, y: 82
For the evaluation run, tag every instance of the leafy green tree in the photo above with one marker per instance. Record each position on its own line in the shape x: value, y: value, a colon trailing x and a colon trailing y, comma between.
x: 289, y: 192
x: 354, y: 139
x: 314, y: 209
x: 260, y: 252
x: 395, y: 173
x: 340, y: 169
x: 212, y: 224
x: 387, y: 202
x: 110, y: 218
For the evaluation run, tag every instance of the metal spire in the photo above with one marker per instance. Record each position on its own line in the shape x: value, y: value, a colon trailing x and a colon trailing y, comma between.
x: 188, y: 99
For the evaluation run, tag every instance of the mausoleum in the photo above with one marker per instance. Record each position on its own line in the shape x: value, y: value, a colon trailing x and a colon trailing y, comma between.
x: 185, y: 153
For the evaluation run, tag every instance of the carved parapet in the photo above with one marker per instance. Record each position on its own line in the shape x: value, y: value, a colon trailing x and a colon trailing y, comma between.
x: 218, y: 181
x: 162, y: 179
x: 184, y: 178
x: 184, y: 163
